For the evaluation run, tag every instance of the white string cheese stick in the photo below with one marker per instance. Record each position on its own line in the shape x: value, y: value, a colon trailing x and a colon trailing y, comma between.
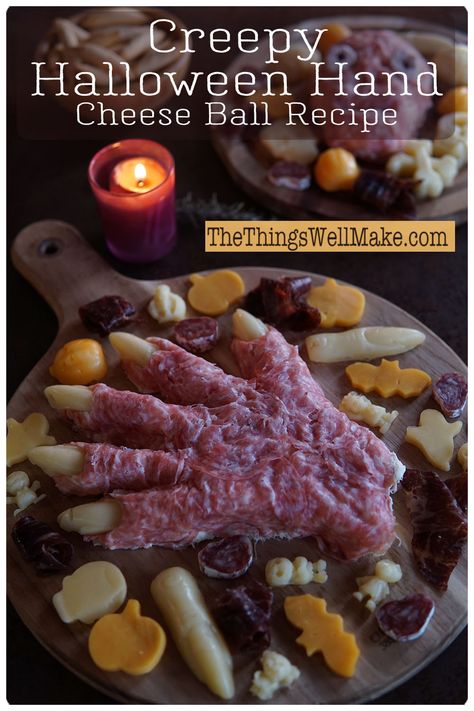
x: 138, y: 45
x: 69, y: 33
x: 428, y: 43
x: 113, y: 16
x: 200, y: 643
x: 362, y: 343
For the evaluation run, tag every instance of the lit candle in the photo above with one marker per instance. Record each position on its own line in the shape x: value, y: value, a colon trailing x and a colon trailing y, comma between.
x: 136, y: 175
x: 133, y: 182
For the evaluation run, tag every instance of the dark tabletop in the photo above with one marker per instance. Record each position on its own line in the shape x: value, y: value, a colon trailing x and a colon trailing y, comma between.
x: 47, y: 179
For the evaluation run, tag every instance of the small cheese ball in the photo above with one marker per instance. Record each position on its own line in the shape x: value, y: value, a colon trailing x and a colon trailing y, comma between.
x: 455, y: 100
x: 336, y: 169
x: 278, y: 572
x: 79, y: 362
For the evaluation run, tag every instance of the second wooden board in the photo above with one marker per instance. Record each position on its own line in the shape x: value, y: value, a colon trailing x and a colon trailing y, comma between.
x: 249, y: 171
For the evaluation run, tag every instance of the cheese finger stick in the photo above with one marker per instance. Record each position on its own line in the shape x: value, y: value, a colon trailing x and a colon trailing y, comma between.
x: 246, y: 326
x: 130, y: 347
x: 89, y: 519
x: 60, y: 459
x: 362, y: 343
x: 200, y: 643
x: 65, y: 397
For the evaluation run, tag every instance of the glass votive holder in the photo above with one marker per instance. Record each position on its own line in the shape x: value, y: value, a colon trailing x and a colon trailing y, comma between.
x: 134, y: 184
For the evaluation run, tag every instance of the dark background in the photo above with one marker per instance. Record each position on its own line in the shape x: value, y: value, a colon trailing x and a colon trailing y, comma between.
x: 47, y: 179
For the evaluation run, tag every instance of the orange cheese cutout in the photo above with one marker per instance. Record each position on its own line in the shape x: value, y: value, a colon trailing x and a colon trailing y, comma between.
x: 339, y: 305
x: 387, y: 378
x: 127, y: 641
x: 214, y: 293
x: 323, y: 632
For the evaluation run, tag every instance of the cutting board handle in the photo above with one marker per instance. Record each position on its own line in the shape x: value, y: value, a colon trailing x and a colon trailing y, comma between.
x: 55, y: 258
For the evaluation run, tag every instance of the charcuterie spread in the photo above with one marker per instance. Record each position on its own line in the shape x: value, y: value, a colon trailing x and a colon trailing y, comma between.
x: 192, y: 455
x: 339, y: 148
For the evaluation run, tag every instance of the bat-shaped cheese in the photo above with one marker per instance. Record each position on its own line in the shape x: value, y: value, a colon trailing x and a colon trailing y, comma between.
x: 388, y: 379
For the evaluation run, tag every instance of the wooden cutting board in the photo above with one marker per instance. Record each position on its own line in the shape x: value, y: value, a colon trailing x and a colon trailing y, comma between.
x: 67, y: 273
x: 249, y: 171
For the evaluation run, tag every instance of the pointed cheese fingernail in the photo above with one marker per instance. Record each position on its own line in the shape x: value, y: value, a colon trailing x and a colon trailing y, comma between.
x: 90, y: 519
x: 246, y: 326
x: 69, y: 397
x: 130, y: 347
x: 60, y: 459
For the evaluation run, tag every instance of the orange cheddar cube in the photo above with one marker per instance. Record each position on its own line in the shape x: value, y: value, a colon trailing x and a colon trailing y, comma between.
x: 323, y: 632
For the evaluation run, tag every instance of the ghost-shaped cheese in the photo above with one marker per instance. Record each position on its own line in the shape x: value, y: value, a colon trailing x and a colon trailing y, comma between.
x: 434, y: 436
x: 24, y: 436
x: 93, y: 590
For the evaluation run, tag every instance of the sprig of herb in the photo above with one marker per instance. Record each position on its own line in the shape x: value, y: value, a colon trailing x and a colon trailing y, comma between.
x: 195, y: 210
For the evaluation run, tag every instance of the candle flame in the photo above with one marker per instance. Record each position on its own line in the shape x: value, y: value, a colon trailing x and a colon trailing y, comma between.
x: 140, y: 173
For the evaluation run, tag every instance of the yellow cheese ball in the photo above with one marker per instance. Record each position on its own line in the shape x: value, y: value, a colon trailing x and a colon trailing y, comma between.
x: 455, y: 100
x: 79, y: 362
x: 336, y: 169
x: 335, y: 33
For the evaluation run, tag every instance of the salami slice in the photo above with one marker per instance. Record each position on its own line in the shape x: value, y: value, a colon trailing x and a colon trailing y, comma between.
x: 226, y: 558
x: 286, y: 174
x: 196, y: 335
x: 450, y: 392
x: 243, y: 614
x: 407, y: 619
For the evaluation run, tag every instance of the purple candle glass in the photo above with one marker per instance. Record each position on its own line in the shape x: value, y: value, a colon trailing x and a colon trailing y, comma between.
x: 133, y: 182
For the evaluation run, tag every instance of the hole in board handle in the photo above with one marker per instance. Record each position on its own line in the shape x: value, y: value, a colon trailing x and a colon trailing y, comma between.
x: 49, y: 247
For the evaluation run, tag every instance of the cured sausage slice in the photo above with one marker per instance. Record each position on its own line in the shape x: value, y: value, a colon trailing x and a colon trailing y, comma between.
x: 406, y: 619
x: 48, y: 550
x: 450, y: 392
x: 106, y: 314
x: 439, y: 526
x: 226, y: 558
x: 196, y: 335
x: 243, y: 614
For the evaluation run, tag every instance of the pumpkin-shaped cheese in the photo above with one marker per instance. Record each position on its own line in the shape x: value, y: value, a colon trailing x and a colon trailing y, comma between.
x: 214, y: 293
x: 127, y: 641
x: 339, y: 305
